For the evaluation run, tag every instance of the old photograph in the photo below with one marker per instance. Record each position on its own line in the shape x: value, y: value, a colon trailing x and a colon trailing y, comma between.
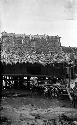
x: 38, y: 62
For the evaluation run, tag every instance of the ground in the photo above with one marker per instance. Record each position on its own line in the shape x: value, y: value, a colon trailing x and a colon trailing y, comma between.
x: 23, y: 108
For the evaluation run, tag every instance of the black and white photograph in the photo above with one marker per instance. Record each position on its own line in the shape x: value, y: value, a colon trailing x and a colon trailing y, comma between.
x: 38, y: 62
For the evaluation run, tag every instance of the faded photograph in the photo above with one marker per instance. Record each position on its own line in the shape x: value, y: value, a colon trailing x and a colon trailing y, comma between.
x: 38, y: 62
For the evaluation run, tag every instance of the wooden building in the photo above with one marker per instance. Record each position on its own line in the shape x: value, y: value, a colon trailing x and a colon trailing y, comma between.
x: 32, y: 55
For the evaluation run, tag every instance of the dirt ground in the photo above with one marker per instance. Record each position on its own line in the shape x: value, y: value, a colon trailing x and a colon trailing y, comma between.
x: 23, y: 108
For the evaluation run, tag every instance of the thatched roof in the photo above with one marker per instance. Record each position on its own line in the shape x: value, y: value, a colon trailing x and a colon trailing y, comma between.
x: 20, y: 48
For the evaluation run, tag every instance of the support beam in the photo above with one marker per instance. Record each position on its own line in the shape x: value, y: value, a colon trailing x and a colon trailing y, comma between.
x: 28, y: 82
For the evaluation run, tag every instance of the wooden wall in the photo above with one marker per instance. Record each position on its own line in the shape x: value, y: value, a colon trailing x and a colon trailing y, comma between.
x: 34, y: 69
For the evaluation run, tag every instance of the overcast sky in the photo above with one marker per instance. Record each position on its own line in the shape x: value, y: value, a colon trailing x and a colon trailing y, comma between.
x: 52, y: 17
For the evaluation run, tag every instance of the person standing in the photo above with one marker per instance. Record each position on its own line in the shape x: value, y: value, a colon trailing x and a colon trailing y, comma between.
x: 74, y: 99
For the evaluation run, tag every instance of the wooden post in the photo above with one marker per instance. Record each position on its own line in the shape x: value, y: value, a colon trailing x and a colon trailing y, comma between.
x: 73, y: 72
x: 69, y: 76
x: 64, y: 76
x: 68, y: 85
x: 53, y: 70
x: 28, y: 82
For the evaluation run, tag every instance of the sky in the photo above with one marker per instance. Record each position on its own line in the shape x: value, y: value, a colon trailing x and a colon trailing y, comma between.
x: 51, y: 17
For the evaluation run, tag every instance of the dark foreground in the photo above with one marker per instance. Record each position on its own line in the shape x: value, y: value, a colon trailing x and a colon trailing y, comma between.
x: 25, y: 108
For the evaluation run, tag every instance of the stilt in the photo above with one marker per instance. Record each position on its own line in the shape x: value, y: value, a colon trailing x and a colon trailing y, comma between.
x: 28, y: 82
